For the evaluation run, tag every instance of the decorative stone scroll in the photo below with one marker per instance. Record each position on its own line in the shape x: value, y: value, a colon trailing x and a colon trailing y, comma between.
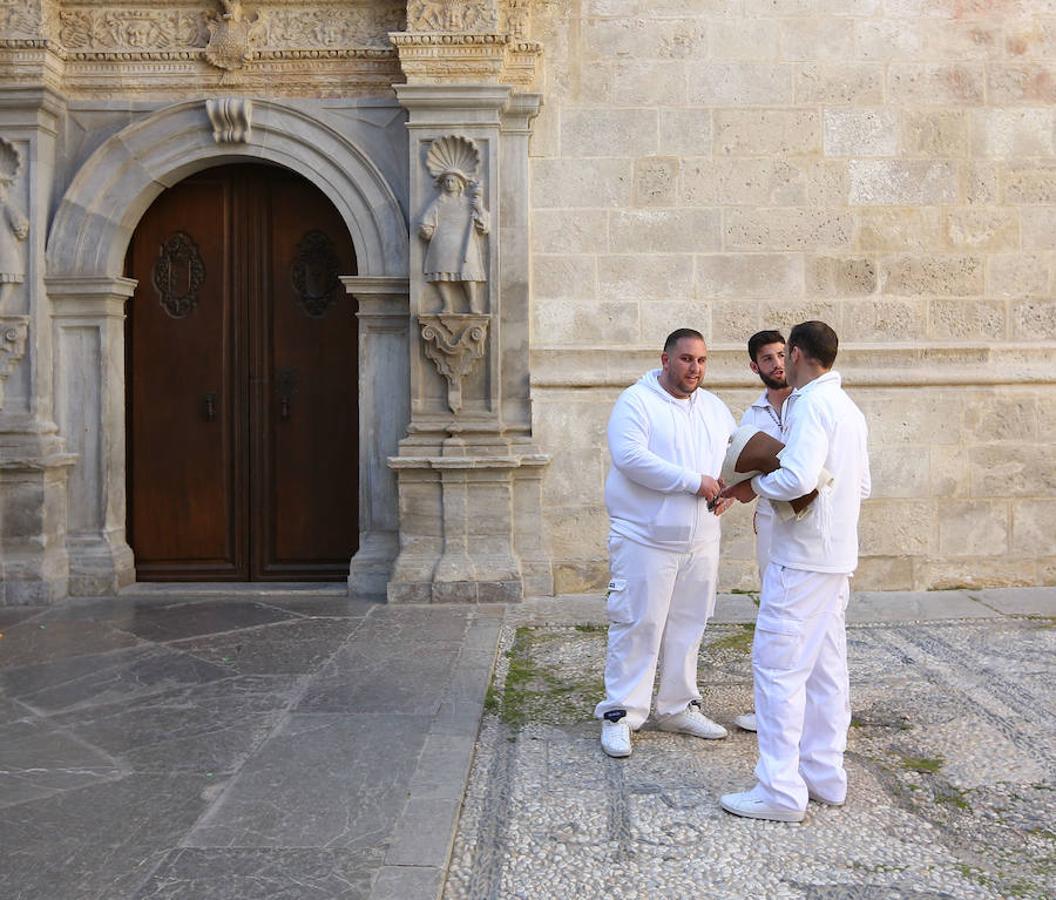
x: 14, y: 226
x: 454, y: 343
x: 233, y: 37
x: 231, y: 118
x: 13, y: 333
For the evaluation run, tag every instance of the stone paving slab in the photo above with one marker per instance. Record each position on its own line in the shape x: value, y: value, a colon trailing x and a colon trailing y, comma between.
x: 220, y: 743
x: 951, y: 758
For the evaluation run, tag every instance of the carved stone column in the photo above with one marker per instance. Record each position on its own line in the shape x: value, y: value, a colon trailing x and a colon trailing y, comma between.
x: 384, y: 411
x: 88, y: 334
x: 469, y: 473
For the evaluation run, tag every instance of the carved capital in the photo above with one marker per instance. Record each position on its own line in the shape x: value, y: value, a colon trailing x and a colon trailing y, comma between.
x: 13, y: 333
x: 441, y: 57
x: 454, y: 342
x: 231, y: 118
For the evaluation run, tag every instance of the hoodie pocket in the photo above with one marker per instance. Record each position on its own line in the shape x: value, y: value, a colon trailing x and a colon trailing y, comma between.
x: 674, y: 520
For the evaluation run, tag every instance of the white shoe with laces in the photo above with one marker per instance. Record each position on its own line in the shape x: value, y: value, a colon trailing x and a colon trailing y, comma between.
x: 752, y: 805
x: 616, y: 738
x: 692, y: 721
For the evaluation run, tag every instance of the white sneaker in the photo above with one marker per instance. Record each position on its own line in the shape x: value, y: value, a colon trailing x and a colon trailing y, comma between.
x: 692, y: 721
x: 616, y: 738
x: 746, y: 722
x: 752, y: 805
x: 817, y: 798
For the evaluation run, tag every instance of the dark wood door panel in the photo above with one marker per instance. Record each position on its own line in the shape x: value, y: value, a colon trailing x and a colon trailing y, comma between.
x: 242, y: 400
x: 185, y: 408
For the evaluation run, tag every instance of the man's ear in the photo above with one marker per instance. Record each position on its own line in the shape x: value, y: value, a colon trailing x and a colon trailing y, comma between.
x: 754, y: 367
x: 664, y: 359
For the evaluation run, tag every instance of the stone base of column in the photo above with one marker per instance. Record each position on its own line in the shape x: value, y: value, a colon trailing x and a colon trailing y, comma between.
x: 32, y: 543
x: 100, y: 565
x: 458, y: 538
x: 371, y: 567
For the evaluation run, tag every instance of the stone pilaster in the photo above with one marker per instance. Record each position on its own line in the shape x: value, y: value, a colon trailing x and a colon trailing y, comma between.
x: 469, y: 473
x: 384, y: 411
x: 88, y: 317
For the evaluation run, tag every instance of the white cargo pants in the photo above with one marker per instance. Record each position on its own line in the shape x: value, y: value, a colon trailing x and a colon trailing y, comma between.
x: 659, y: 603
x: 802, y: 694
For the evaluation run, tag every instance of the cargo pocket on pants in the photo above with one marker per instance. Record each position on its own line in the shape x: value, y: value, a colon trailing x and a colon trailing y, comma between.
x: 776, y: 648
x: 618, y: 602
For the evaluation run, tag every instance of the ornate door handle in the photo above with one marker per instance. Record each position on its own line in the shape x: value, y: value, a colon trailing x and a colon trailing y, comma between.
x: 286, y: 387
x: 209, y: 406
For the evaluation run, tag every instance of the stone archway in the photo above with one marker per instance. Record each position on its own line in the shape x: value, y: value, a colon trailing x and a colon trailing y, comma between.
x: 84, y: 258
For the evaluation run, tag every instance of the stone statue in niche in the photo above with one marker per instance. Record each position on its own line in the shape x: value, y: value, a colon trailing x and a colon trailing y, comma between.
x: 14, y: 226
x: 455, y: 224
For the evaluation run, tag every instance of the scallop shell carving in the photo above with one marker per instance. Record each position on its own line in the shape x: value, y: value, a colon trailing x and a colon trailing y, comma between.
x: 10, y: 162
x: 453, y: 154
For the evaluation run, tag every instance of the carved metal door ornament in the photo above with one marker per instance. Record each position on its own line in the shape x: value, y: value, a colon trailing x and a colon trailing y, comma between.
x: 178, y: 275
x: 315, y: 272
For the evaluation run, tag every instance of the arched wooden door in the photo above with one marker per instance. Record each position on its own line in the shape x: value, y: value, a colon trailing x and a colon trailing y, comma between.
x: 242, y: 382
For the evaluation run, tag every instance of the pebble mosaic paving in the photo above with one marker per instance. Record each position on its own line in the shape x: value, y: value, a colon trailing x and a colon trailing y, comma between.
x: 951, y: 759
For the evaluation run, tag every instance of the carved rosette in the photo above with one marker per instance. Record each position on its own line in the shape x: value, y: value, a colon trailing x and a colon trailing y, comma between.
x: 455, y: 343
x: 14, y: 331
x: 231, y: 118
x: 178, y: 275
x: 315, y: 273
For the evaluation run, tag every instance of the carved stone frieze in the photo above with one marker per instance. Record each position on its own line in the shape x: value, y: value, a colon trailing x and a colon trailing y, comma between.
x: 14, y: 331
x: 455, y: 343
x: 28, y: 19
x: 452, y: 15
x: 231, y: 118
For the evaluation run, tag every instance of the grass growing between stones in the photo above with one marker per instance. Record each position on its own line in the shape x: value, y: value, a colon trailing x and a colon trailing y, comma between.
x: 925, y: 765
x: 739, y: 641
x: 534, y: 691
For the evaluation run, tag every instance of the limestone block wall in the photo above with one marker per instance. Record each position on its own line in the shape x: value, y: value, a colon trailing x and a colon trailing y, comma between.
x: 888, y: 166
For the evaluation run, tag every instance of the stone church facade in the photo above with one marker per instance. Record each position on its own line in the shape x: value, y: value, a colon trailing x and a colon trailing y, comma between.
x: 534, y: 192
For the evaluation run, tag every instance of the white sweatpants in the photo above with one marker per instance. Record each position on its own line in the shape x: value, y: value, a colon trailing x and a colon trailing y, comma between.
x: 802, y: 694
x: 764, y: 527
x: 659, y: 603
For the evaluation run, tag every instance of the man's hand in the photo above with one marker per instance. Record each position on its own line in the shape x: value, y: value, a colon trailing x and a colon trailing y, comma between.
x: 721, y: 505
x: 741, y: 491
x: 709, y: 488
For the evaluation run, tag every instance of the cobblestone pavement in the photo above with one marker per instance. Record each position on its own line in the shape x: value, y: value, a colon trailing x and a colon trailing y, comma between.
x: 951, y: 758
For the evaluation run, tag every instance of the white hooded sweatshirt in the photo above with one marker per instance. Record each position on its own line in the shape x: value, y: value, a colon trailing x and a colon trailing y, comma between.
x: 823, y: 428
x: 660, y: 447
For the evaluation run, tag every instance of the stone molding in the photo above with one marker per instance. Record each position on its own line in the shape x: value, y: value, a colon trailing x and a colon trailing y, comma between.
x: 873, y: 365
x: 232, y: 119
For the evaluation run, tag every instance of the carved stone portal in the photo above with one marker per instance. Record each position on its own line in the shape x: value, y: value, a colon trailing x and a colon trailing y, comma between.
x: 13, y: 333
x: 454, y: 342
x: 231, y: 118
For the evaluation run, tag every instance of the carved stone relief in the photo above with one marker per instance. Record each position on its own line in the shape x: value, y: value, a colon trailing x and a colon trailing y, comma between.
x: 454, y: 343
x: 14, y: 226
x: 315, y: 273
x: 231, y: 118
x: 455, y: 225
x: 13, y: 333
x: 452, y: 15
x: 178, y: 275
x: 234, y: 35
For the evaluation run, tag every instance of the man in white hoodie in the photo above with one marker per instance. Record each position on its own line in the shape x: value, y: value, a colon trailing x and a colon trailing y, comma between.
x: 667, y: 439
x: 799, y: 656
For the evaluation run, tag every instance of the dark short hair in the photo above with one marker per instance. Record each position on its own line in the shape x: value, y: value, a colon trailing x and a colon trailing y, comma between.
x: 760, y: 339
x: 675, y: 336
x: 815, y: 341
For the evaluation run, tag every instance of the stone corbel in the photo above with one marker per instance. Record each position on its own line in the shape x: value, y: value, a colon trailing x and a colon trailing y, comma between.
x: 13, y: 333
x: 231, y: 118
x: 455, y: 343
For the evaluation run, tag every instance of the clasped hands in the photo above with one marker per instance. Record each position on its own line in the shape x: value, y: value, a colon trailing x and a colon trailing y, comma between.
x: 711, y: 489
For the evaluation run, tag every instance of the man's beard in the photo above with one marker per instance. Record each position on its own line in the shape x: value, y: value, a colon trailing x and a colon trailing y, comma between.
x: 775, y: 384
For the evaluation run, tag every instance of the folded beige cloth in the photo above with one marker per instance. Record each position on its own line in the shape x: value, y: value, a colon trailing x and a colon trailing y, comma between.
x: 753, y: 452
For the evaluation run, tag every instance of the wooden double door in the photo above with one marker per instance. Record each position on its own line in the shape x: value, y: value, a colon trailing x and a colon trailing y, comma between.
x: 242, y: 372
